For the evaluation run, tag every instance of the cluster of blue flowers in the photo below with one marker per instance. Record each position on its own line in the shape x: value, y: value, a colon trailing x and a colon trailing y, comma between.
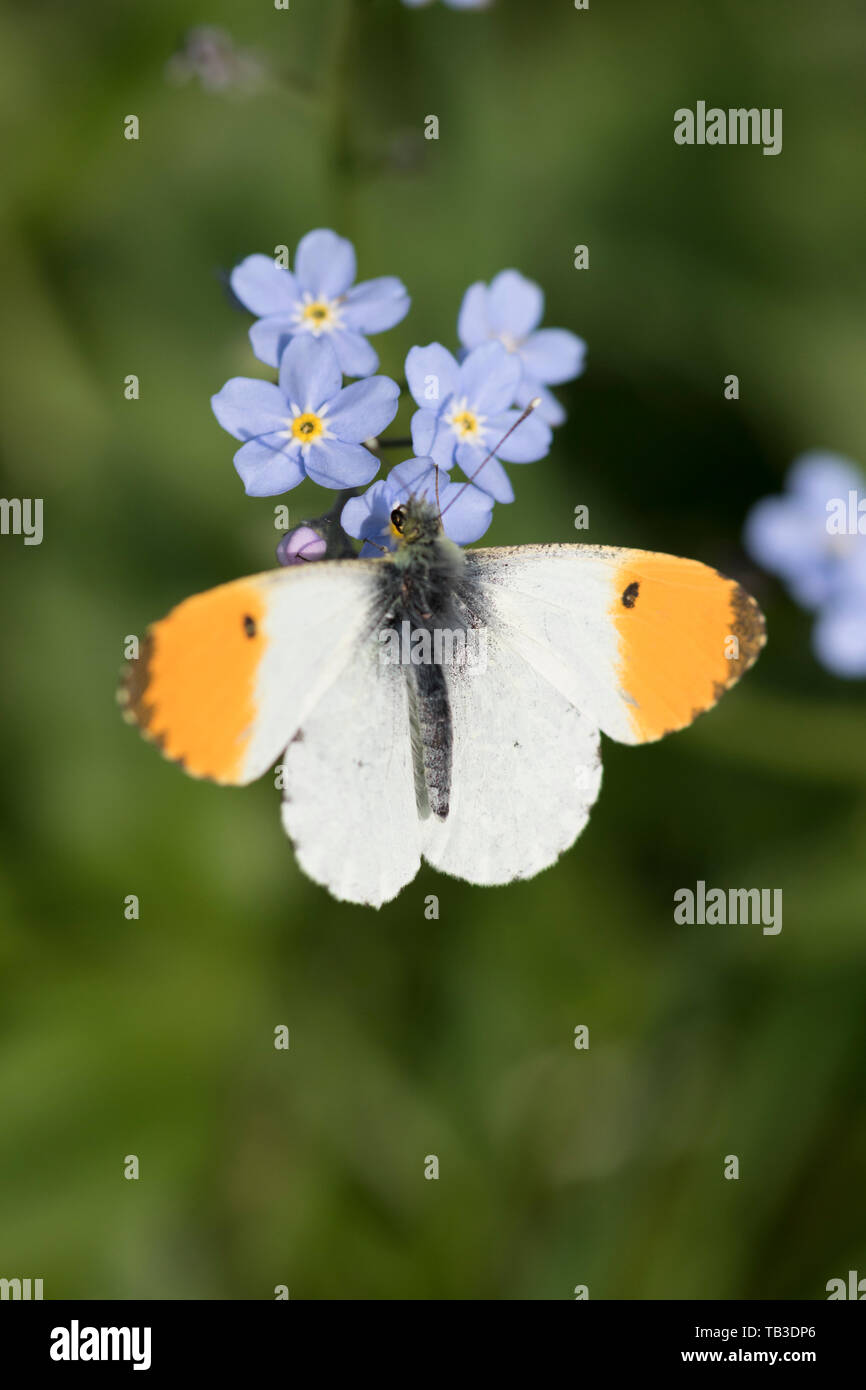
x: 813, y: 536
x: 312, y: 324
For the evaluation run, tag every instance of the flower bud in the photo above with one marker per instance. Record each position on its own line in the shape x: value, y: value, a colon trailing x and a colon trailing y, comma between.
x: 300, y: 546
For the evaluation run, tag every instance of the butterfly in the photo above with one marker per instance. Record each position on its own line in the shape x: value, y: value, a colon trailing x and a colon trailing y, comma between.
x: 437, y: 703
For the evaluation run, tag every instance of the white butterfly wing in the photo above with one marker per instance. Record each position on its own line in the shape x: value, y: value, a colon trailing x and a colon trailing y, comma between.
x: 640, y: 642
x: 525, y: 772
x: 349, y: 802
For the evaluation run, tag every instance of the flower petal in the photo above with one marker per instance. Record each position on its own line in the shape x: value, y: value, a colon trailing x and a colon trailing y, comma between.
x: 437, y: 442
x: 488, y: 378
x: 423, y: 430
x: 530, y: 441
x: 325, y: 264
x: 270, y: 336
x: 310, y: 374
x: 432, y: 374
x: 331, y: 463
x: 817, y: 477
x: 376, y: 305
x: 247, y: 407
x: 264, y: 287
x: 553, y: 355
x: 782, y: 534
x: 839, y: 636
x: 360, y: 513
x: 467, y: 512
x: 267, y: 473
x: 514, y: 304
x: 473, y: 325
x: 363, y: 409
x: 549, y: 410
x: 492, y: 478
x: 355, y: 355
x: 416, y: 475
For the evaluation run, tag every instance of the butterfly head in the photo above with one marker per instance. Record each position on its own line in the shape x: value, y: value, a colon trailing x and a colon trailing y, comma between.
x: 422, y: 548
x: 415, y: 522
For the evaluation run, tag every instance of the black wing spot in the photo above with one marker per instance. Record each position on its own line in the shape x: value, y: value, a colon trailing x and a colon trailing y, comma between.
x: 629, y: 594
x: 250, y: 626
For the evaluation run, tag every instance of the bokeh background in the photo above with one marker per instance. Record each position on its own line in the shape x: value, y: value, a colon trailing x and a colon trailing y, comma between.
x: 409, y: 1036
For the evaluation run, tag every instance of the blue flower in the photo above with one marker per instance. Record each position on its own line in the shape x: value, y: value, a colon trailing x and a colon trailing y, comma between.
x: 467, y: 511
x: 811, y: 537
x: 306, y: 426
x: 509, y: 310
x: 319, y: 299
x: 791, y: 534
x: 464, y: 413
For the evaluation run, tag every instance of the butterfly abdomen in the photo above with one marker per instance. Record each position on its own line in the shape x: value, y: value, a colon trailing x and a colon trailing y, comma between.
x: 435, y: 737
x: 424, y: 609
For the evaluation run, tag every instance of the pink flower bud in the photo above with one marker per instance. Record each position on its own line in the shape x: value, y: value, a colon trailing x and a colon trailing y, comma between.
x: 300, y: 546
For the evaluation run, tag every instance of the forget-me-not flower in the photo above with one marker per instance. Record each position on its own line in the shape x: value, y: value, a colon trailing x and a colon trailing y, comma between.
x: 319, y: 299
x: 307, y: 426
x: 464, y: 413
x: 509, y: 311
x: 467, y: 511
x: 811, y: 537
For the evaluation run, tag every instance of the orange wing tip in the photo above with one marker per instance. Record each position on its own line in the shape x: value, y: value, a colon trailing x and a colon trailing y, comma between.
x: 135, y: 680
x: 748, y: 628
x: 687, y: 634
x: 192, y: 689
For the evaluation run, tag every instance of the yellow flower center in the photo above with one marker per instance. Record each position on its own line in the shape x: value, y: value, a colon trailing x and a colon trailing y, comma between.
x: 308, y: 427
x: 318, y: 315
x: 468, y: 426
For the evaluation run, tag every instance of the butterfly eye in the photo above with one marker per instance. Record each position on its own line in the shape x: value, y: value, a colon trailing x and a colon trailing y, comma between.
x: 398, y: 519
x: 249, y: 626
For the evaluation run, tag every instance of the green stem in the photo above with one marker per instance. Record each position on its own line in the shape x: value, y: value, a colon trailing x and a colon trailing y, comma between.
x: 339, y: 144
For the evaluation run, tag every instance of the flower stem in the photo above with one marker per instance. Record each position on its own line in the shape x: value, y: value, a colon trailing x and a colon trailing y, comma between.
x: 340, y: 148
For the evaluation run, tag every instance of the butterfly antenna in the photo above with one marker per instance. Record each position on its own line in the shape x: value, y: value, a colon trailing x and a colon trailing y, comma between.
x: 533, y: 405
x: 438, y: 503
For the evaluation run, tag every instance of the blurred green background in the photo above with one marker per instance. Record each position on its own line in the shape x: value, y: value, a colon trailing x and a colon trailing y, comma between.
x: 408, y: 1036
